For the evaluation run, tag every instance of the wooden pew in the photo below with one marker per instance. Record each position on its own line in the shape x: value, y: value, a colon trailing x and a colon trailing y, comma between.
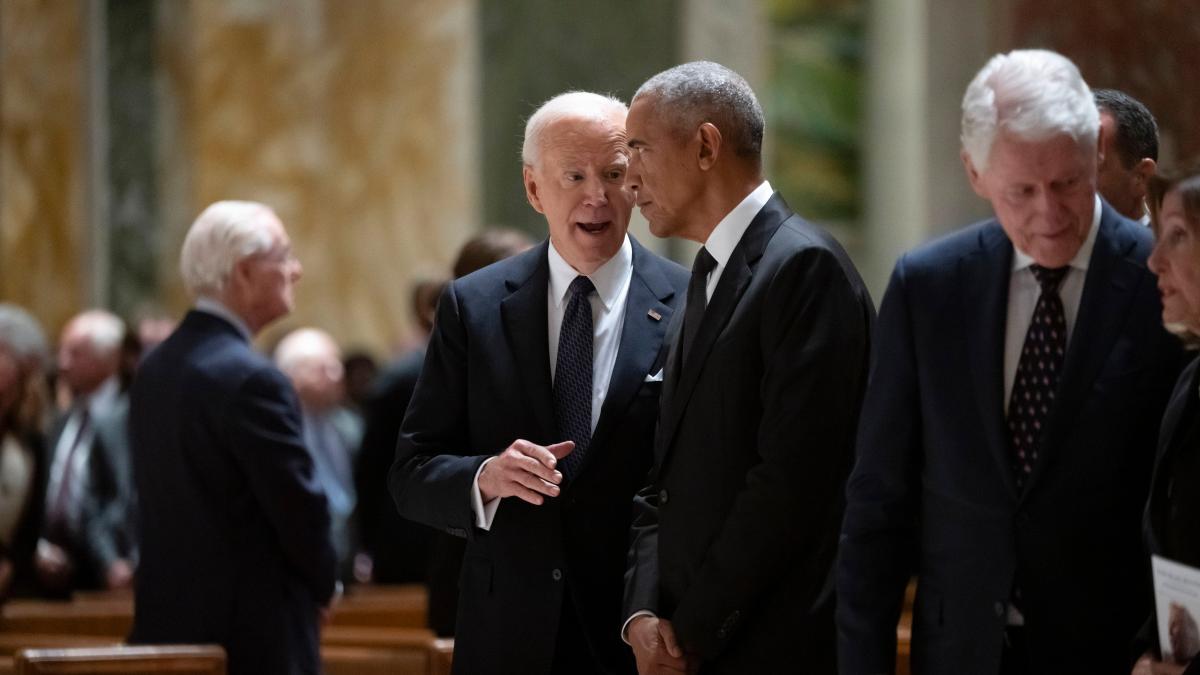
x: 387, y: 606
x: 337, y: 660
x: 441, y: 656
x: 11, y: 643
x: 125, y: 660
x: 105, y: 619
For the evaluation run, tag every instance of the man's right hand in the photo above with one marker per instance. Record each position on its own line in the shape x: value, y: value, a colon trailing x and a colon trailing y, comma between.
x: 655, y: 647
x: 524, y: 470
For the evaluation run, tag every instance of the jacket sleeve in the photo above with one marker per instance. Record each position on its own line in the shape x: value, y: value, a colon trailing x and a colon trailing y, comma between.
x: 814, y: 348
x: 879, y: 529
x: 433, y: 472
x: 265, y: 436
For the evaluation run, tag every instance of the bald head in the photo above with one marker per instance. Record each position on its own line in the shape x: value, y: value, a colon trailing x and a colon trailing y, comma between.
x: 89, y: 350
x: 312, y: 360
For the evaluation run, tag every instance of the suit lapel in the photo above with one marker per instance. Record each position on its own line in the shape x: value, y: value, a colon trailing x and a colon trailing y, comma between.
x: 983, y: 307
x: 739, y: 271
x: 1110, y: 285
x: 524, y: 316
x: 641, y: 341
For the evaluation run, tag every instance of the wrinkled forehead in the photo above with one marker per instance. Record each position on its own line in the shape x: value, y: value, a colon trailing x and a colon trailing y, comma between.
x: 579, y: 139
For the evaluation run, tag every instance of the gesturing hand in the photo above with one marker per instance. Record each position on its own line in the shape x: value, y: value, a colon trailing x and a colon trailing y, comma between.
x: 524, y: 470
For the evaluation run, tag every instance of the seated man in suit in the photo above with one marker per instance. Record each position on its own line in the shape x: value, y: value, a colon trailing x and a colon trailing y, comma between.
x: 734, y: 537
x: 531, y: 425
x: 1007, y: 436
x: 235, y: 546
x: 86, y: 539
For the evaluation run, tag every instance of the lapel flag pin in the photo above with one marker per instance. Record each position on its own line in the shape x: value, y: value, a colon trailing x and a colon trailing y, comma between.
x: 654, y: 315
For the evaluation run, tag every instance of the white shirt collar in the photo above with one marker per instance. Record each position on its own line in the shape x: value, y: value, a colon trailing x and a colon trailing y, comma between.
x: 1021, y: 260
x: 104, y: 398
x: 608, y: 279
x: 218, y: 309
x: 726, y: 235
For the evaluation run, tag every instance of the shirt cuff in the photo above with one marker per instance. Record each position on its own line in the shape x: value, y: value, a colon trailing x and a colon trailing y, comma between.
x: 625, y: 626
x: 484, y: 513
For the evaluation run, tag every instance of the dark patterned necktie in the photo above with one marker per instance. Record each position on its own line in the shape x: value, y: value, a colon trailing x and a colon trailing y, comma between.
x: 1038, y: 372
x: 573, y: 376
x: 697, y: 300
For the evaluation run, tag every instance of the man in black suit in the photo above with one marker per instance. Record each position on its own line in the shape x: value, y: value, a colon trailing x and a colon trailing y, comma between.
x: 734, y: 537
x: 531, y: 425
x: 1007, y: 436
x: 235, y: 545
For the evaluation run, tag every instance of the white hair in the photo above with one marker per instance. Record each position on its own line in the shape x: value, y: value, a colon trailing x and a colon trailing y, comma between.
x: 103, y: 330
x: 21, y: 334
x: 303, y: 345
x: 223, y: 234
x: 572, y: 104
x: 1032, y: 94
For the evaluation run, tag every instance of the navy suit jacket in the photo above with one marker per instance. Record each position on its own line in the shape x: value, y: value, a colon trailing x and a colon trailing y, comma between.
x: 485, y: 383
x: 235, y: 546
x: 734, y: 537
x: 933, y: 478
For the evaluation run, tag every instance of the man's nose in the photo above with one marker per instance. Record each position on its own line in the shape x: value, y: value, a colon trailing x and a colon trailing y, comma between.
x: 595, y: 194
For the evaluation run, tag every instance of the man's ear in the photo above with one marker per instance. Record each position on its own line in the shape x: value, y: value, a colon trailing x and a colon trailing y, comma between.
x: 973, y: 175
x: 531, y: 189
x: 1144, y: 170
x: 710, y: 145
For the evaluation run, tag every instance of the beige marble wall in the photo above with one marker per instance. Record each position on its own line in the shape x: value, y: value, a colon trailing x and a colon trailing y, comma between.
x: 43, y: 233
x: 355, y: 120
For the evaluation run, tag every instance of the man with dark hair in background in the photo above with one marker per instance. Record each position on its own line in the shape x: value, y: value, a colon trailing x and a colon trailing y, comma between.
x: 400, y: 550
x: 1128, y: 152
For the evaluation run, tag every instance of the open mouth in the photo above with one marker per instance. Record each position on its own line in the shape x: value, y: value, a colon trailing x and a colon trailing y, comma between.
x: 594, y: 228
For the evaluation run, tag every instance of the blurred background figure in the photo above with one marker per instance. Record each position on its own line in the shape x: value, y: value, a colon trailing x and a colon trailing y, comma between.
x: 1128, y: 152
x: 400, y: 550
x: 1173, y: 510
x: 23, y: 401
x: 87, y: 535
x: 332, y: 433
x: 361, y: 370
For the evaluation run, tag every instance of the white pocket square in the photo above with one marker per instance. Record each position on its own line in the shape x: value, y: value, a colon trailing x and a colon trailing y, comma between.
x: 657, y: 377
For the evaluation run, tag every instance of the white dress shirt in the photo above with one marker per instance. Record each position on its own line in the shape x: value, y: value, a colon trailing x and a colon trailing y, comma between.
x: 726, y: 235
x: 608, y: 318
x: 75, y: 435
x: 1023, y: 292
x: 218, y: 309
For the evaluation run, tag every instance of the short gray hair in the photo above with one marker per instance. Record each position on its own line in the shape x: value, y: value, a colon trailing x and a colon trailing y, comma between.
x: 575, y: 104
x: 223, y: 234
x: 22, y: 336
x: 1033, y: 94
x: 703, y: 91
x: 104, y: 330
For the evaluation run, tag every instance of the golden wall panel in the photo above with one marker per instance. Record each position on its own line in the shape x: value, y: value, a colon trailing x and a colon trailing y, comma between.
x: 354, y: 120
x: 43, y: 166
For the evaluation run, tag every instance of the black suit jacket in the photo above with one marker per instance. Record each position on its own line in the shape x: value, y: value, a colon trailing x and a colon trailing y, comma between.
x: 734, y: 538
x: 934, y: 479
x: 1172, y: 517
x: 235, y: 544
x: 485, y: 383
x: 105, y: 532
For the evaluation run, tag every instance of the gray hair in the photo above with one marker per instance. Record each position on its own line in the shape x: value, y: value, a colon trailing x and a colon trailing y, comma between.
x: 703, y: 91
x: 302, y: 345
x: 573, y: 104
x: 104, y: 330
x: 22, y: 336
x: 1032, y: 94
x: 223, y: 234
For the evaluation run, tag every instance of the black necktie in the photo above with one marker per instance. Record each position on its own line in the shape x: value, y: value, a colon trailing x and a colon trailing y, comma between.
x: 697, y: 300
x: 1038, y: 373
x: 573, y: 376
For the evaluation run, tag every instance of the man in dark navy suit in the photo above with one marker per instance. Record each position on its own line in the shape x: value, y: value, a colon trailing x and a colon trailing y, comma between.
x: 531, y: 425
x: 1006, y: 440
x: 235, y: 545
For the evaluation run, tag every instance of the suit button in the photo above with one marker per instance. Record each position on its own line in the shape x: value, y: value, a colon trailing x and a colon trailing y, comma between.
x: 999, y: 607
x: 663, y: 497
x: 556, y: 574
x: 721, y: 633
